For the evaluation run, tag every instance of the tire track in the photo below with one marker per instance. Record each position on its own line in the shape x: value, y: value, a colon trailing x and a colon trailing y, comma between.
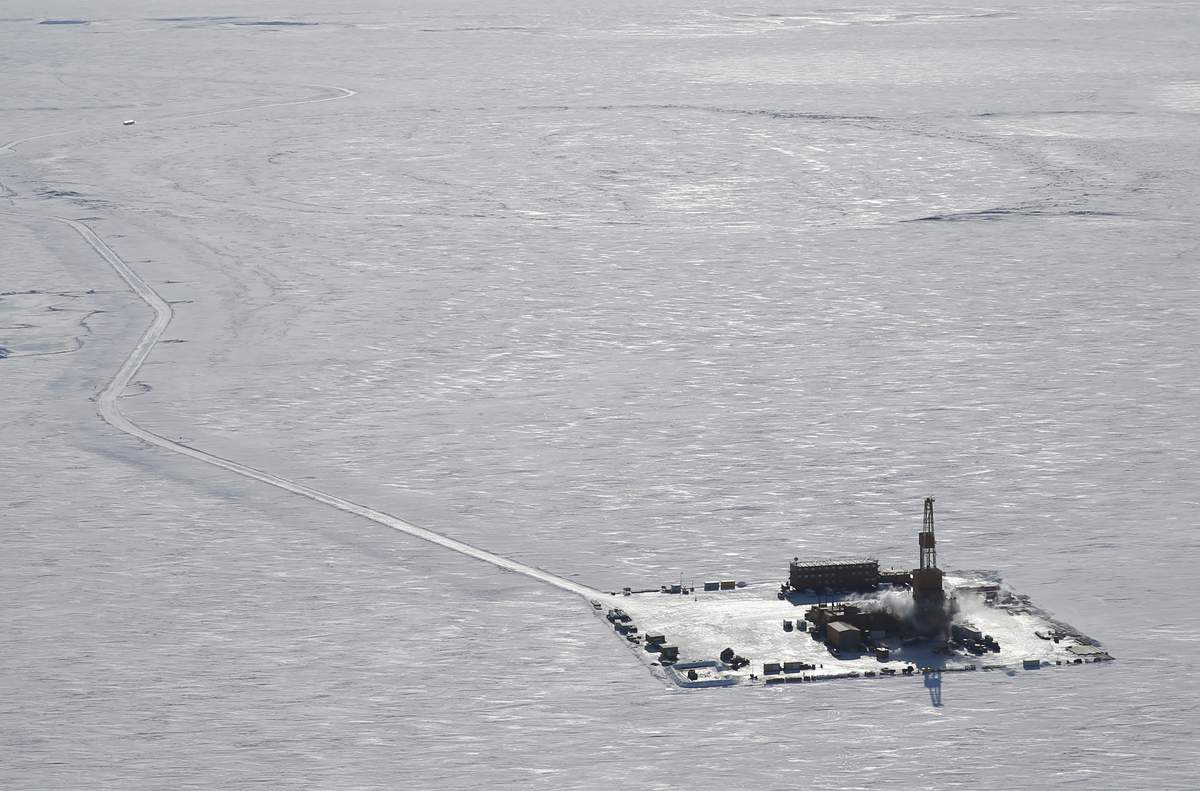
x: 108, y: 403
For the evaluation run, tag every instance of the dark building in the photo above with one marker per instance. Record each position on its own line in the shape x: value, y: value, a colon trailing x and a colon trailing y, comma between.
x: 927, y: 588
x: 824, y: 614
x: 834, y: 574
x: 865, y: 620
x: 844, y: 636
x: 964, y: 633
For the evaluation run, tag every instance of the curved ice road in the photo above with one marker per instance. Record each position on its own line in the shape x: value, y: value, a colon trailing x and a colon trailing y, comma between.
x: 109, y: 407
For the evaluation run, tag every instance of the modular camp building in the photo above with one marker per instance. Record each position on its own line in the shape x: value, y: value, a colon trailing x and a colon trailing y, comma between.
x: 834, y: 574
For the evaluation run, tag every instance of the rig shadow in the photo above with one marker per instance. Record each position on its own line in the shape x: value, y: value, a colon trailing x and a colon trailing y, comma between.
x: 933, y: 683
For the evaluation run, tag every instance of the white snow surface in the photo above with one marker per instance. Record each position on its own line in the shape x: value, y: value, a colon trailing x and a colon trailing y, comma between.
x: 614, y: 291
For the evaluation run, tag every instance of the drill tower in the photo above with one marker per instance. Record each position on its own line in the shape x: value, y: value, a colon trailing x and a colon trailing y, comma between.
x: 928, y: 542
x: 928, y: 594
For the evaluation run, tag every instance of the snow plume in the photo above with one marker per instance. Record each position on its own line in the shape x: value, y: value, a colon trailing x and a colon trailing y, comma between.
x: 969, y: 604
x: 897, y: 602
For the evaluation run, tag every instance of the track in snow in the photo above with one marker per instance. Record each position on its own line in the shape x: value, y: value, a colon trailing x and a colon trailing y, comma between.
x: 108, y: 404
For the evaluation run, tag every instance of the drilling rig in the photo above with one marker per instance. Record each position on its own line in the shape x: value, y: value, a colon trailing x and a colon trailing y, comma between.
x: 928, y: 593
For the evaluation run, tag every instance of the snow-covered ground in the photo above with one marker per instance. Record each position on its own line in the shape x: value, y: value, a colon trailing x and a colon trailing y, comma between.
x: 614, y: 291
